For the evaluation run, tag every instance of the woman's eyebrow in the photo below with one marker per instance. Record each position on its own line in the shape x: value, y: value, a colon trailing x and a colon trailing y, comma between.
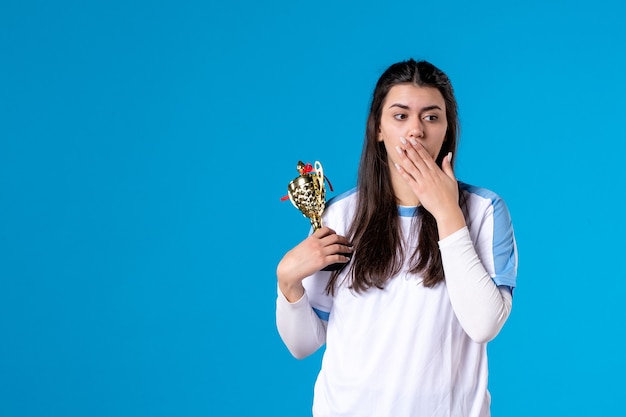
x: 402, y: 106
x: 405, y: 107
x: 433, y: 107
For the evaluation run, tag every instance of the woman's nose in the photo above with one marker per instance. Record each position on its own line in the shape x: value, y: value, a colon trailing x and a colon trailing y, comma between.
x: 417, y: 131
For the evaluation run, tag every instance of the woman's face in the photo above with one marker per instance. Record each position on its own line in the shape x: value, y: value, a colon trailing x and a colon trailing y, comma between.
x: 413, y: 112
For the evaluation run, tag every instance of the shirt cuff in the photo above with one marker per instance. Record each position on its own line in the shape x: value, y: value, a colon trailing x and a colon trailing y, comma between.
x: 456, y: 237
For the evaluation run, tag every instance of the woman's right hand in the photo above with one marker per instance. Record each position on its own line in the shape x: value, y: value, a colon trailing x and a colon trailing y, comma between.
x: 322, y: 248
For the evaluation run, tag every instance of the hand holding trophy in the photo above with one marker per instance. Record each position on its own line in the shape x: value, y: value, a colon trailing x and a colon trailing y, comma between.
x: 307, y: 193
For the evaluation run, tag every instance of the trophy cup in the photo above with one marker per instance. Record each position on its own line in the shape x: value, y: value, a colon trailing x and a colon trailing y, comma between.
x: 308, y: 194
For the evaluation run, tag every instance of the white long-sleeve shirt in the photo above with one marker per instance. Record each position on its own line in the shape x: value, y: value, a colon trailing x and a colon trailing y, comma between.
x: 408, y: 350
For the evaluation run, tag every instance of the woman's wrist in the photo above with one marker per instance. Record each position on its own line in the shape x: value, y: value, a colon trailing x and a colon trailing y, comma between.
x: 292, y: 291
x: 449, y: 222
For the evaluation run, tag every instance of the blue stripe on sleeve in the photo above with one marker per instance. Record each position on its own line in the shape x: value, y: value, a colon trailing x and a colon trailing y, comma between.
x: 504, y: 247
x: 504, y: 251
x: 321, y: 314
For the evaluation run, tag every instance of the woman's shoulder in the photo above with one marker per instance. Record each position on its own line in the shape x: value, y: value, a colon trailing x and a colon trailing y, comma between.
x: 479, y: 191
x: 346, y: 197
x: 339, y: 210
x: 481, y: 198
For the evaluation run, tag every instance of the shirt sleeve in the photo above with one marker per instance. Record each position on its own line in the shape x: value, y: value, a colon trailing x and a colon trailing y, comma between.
x: 481, y: 306
x: 299, y: 326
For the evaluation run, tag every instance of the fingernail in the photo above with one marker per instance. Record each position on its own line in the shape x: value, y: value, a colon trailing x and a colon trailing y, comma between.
x: 449, y: 156
x: 413, y: 141
x: 403, y: 140
x: 397, y: 166
x: 398, y: 150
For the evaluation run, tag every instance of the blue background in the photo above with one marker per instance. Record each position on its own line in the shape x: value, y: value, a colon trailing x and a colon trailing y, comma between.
x: 145, y: 146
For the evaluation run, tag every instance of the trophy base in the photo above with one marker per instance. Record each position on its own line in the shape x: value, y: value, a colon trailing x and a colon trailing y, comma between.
x: 338, y: 265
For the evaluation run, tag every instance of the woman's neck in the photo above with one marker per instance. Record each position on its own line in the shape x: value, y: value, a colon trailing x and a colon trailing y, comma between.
x: 404, y: 195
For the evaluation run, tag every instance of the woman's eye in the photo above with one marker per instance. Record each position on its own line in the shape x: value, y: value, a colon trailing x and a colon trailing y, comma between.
x: 431, y: 117
x: 400, y: 116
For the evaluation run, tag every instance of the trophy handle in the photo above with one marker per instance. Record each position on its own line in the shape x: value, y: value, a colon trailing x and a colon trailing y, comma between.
x: 320, y: 174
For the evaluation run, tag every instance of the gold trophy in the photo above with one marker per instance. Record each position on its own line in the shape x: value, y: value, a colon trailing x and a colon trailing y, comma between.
x: 307, y: 193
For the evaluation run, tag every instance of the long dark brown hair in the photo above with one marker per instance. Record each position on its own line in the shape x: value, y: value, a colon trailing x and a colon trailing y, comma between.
x: 375, y: 231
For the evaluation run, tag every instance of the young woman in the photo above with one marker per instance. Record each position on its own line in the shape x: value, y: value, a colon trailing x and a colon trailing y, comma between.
x: 430, y: 266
